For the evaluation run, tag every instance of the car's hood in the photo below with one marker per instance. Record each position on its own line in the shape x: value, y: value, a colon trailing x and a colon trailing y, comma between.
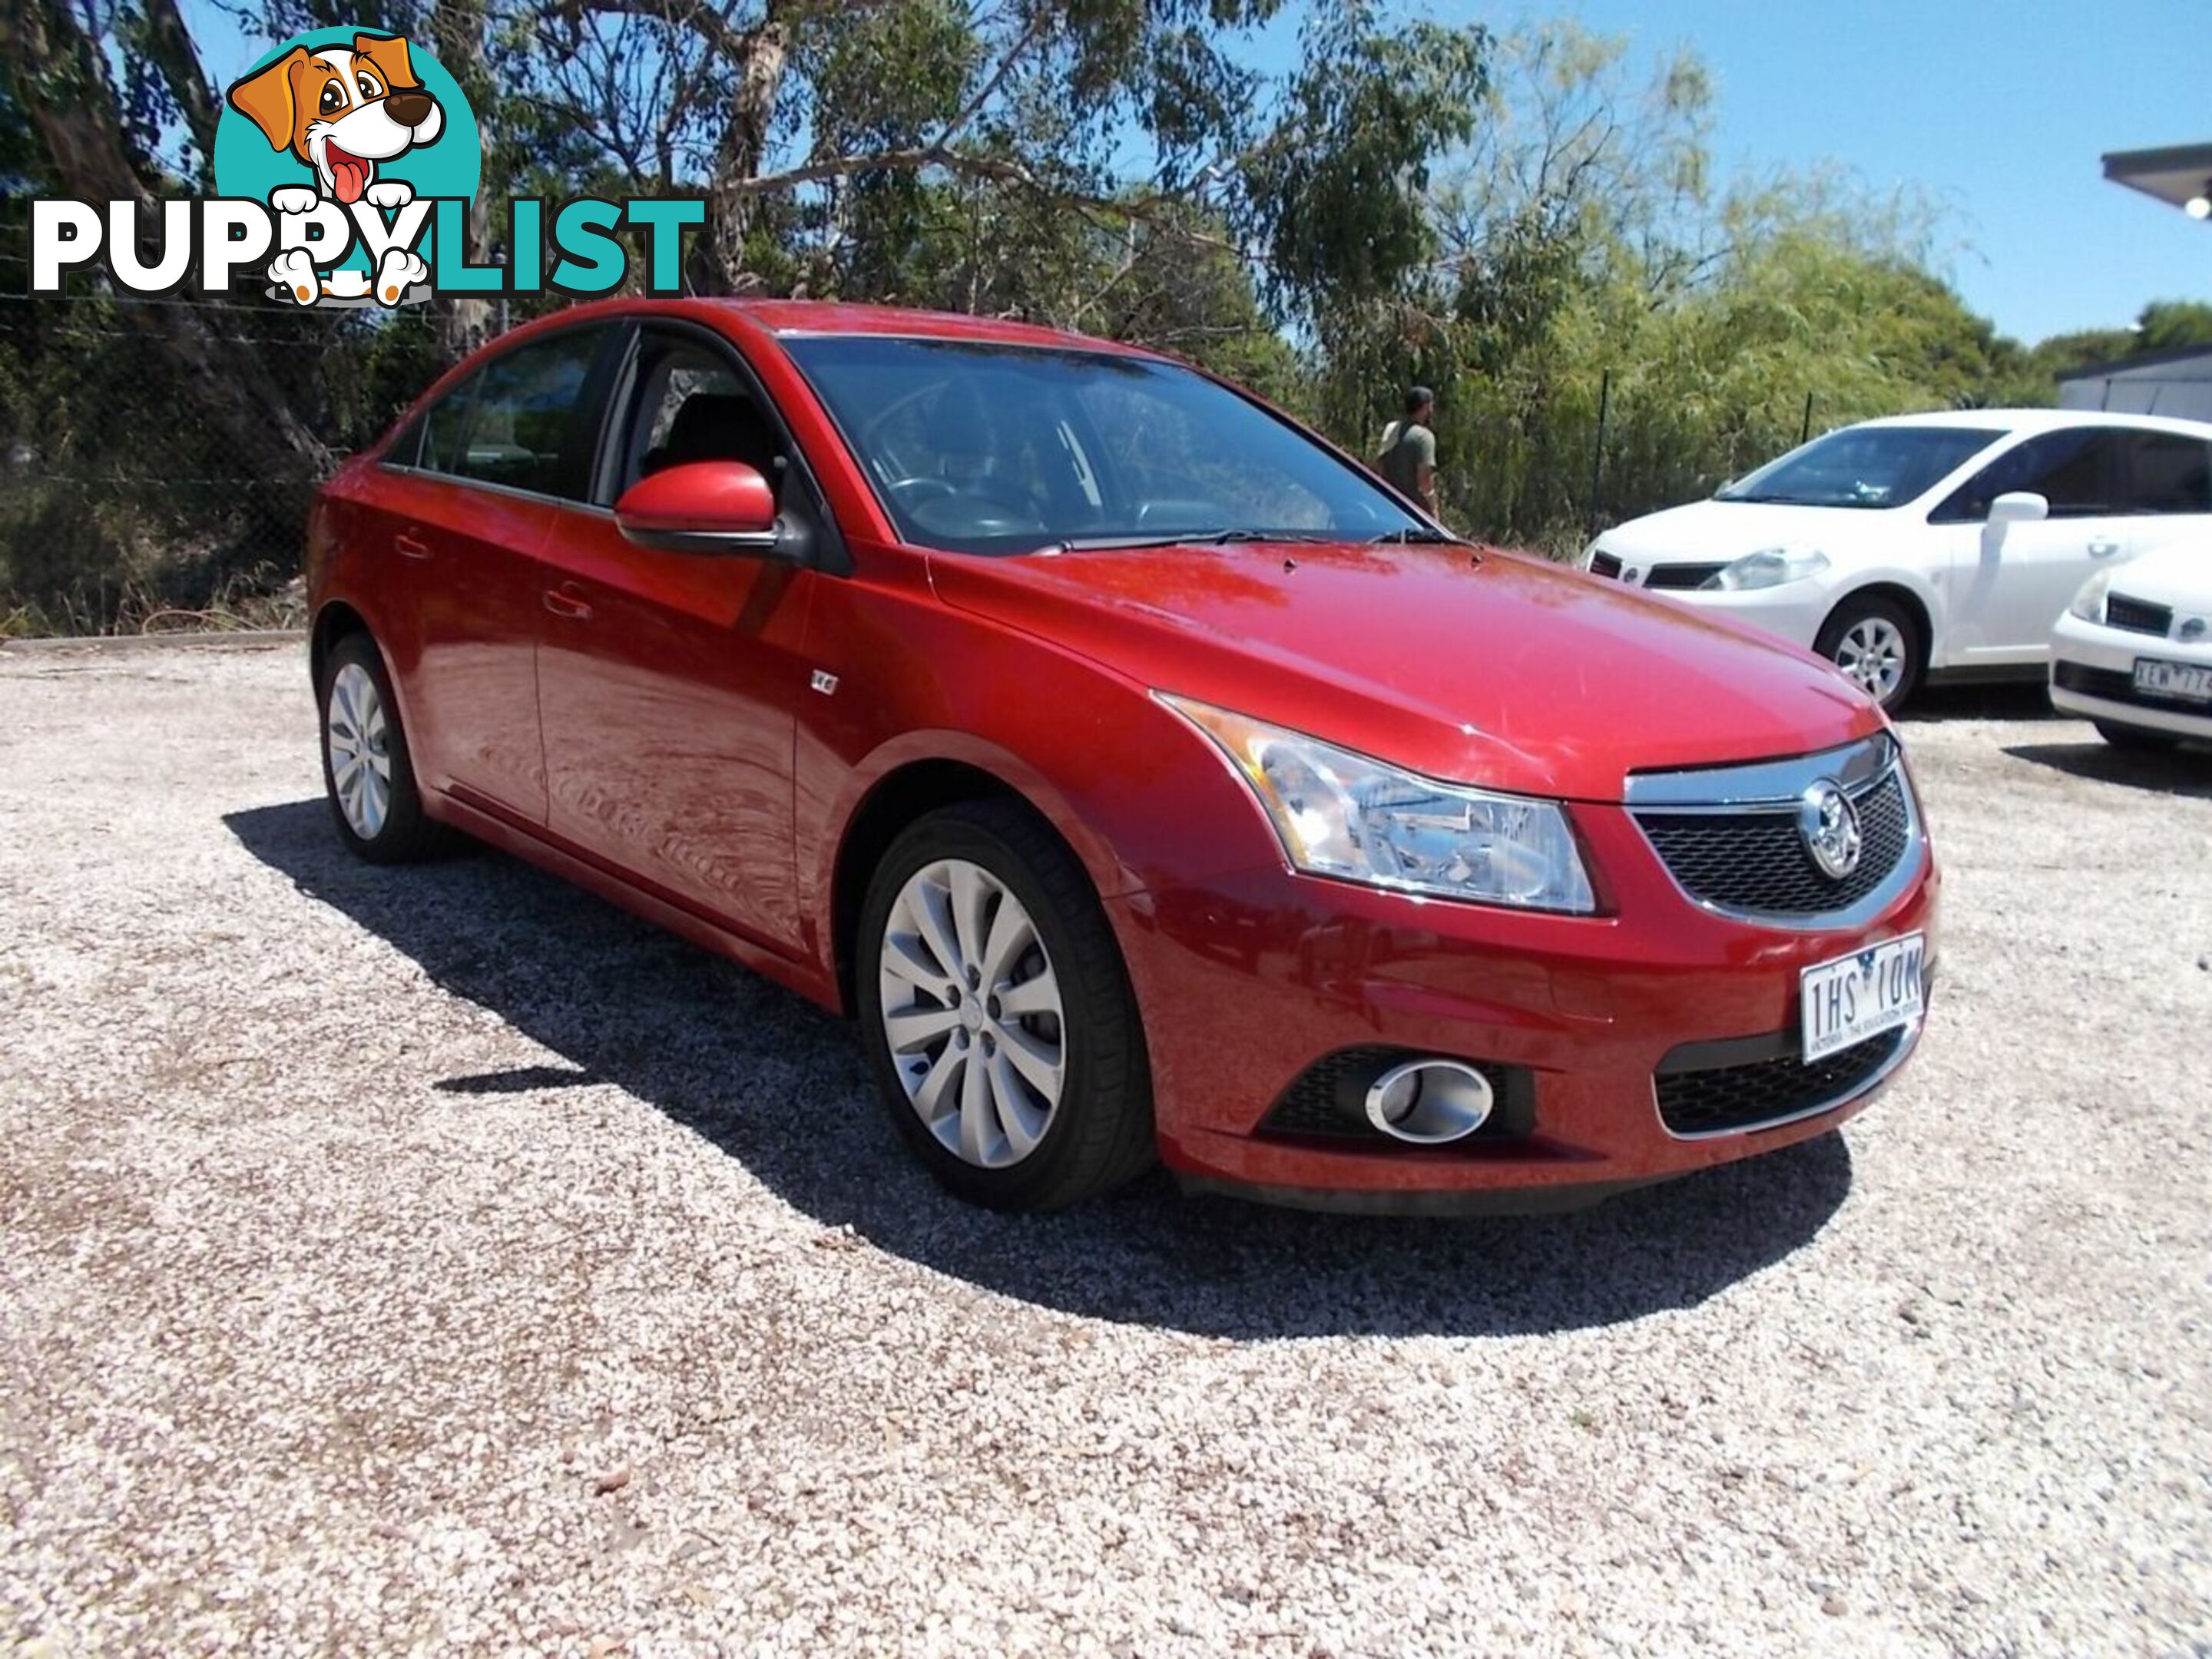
x: 1705, y: 531
x: 1503, y: 669
x: 2178, y: 573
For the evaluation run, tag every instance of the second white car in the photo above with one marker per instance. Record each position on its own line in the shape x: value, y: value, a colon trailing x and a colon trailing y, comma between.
x: 2134, y: 651
x: 1926, y: 546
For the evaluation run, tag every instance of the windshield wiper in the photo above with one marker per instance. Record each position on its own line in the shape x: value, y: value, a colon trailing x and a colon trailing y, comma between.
x: 1184, y: 538
x: 1420, y: 535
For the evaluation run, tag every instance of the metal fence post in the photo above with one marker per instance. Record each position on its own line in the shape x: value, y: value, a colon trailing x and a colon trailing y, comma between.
x: 1597, y: 449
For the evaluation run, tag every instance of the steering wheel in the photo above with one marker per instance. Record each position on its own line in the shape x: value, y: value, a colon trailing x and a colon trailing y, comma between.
x: 940, y: 488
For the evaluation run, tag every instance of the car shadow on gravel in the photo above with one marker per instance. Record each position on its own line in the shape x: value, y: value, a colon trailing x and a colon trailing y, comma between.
x: 2160, y: 772
x: 778, y: 1084
x: 1982, y: 700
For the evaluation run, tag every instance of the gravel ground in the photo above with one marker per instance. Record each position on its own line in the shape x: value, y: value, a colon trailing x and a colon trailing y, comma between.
x: 437, y: 1260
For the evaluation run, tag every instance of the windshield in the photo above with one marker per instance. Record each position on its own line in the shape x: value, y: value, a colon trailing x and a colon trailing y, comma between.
x: 1864, y: 466
x: 979, y: 448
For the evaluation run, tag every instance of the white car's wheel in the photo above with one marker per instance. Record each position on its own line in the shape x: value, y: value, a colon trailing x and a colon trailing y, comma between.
x: 1877, y: 646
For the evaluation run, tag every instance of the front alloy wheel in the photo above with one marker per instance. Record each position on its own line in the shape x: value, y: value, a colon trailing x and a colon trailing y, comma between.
x: 1876, y: 647
x: 971, y: 1010
x: 997, y: 1013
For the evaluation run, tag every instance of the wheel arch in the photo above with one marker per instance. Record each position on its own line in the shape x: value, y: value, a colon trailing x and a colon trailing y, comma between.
x: 902, y: 794
x: 333, y: 622
x: 1916, y: 605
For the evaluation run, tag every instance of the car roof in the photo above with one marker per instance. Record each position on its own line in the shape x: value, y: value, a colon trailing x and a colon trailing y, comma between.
x: 2042, y: 420
x: 798, y: 319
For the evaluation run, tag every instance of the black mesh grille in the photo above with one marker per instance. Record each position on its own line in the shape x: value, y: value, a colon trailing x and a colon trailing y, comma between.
x: 1757, y: 861
x: 1728, y: 1098
x: 1679, y: 576
x: 2118, y: 687
x: 1329, y: 1098
x: 2137, y: 615
x: 1604, y: 564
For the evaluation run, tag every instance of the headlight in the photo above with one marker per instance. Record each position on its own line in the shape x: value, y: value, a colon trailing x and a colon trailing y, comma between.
x: 1341, y: 814
x: 1770, y: 567
x: 2089, y: 603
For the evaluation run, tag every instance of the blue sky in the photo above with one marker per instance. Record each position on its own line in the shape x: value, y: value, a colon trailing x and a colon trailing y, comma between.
x: 2000, y: 111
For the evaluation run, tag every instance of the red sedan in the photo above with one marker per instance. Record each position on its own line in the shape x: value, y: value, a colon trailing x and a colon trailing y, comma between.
x: 1147, y: 778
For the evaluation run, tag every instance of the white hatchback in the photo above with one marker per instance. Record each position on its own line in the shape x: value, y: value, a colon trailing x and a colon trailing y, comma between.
x: 2134, y: 651
x: 1926, y: 546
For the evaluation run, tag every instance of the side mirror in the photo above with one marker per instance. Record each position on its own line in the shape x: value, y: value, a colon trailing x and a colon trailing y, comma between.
x: 702, y: 506
x: 2019, y: 507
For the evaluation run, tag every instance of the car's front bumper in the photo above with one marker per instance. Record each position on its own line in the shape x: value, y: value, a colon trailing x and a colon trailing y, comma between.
x: 1792, y: 612
x: 1248, y: 981
x: 2101, y: 688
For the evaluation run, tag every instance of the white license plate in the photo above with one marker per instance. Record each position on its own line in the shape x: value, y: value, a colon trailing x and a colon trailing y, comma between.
x: 2173, y: 679
x: 1863, y: 995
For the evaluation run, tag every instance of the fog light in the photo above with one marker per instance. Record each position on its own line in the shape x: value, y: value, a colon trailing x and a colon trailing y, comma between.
x: 1428, y: 1102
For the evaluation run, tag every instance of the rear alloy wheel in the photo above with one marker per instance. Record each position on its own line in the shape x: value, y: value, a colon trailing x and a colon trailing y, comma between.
x: 1876, y: 645
x: 366, y: 765
x: 997, y: 1014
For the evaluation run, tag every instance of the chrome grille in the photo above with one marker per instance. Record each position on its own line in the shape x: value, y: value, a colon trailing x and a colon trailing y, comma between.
x: 1729, y: 837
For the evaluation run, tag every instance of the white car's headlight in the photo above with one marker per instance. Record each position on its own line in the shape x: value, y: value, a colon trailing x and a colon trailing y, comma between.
x: 2089, y: 603
x: 1770, y: 567
x: 1342, y: 814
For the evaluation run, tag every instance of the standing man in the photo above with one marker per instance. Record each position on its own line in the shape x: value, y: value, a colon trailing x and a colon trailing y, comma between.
x: 1408, y: 458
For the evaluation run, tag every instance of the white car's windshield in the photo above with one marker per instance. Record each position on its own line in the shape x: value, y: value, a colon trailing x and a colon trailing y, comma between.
x: 1864, y: 466
x: 984, y: 448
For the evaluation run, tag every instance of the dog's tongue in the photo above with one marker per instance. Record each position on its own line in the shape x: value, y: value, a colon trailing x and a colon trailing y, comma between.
x: 349, y: 174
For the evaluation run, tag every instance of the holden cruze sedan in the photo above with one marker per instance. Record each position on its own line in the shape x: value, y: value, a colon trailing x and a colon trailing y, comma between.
x: 1146, y: 777
x: 1928, y: 546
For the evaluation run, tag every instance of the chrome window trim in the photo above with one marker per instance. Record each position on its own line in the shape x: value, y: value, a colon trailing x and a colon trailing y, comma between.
x: 1857, y: 1091
x: 515, y: 490
x: 1775, y: 786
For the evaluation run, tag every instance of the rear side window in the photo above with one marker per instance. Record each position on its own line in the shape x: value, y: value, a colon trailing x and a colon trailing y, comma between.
x: 2168, y: 473
x: 2076, y: 470
x: 521, y: 429
x: 442, y: 427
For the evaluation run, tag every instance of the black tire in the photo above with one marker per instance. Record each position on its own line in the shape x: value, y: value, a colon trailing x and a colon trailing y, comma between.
x: 1100, y: 1136
x: 2140, y: 739
x: 1873, y: 607
x: 407, y: 834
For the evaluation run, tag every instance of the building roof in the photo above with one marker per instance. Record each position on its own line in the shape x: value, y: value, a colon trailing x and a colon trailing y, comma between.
x: 2196, y: 360
x: 2173, y: 174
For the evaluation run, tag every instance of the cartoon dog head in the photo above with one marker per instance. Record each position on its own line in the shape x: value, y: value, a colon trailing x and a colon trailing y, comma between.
x: 342, y: 110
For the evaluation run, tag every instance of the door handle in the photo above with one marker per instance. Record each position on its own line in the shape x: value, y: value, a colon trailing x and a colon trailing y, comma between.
x: 566, y: 601
x: 410, y: 546
x: 2103, y: 548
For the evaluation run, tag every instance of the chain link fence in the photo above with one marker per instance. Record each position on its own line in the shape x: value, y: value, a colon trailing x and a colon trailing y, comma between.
x: 157, y: 454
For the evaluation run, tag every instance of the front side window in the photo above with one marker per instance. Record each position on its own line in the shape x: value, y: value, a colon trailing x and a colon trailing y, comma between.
x: 521, y: 429
x: 2168, y: 473
x: 691, y: 405
x: 983, y: 448
x: 1864, y: 466
x: 2072, y: 468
